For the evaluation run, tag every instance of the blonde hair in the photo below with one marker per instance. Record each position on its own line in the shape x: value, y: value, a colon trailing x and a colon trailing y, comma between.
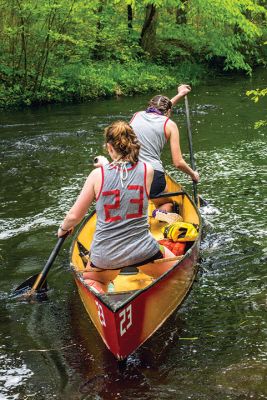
x: 161, y: 103
x: 122, y: 137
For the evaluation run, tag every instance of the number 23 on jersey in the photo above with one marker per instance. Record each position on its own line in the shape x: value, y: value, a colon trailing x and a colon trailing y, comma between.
x: 113, y: 211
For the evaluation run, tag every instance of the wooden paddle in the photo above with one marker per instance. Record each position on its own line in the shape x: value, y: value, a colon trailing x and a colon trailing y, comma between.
x: 197, y: 198
x: 37, y: 283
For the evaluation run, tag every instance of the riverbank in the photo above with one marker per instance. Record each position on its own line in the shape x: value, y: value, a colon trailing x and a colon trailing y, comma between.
x: 75, y: 83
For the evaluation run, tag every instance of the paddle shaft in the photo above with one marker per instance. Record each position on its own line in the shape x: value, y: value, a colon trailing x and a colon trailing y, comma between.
x: 190, y: 142
x: 43, y: 274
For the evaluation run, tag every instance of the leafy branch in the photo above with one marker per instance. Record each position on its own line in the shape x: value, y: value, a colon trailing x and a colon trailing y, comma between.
x: 255, y: 96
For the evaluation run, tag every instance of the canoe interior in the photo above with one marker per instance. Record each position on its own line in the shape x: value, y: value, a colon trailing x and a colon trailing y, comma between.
x: 127, y: 284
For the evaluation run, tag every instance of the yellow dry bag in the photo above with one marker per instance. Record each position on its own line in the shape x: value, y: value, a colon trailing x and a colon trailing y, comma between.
x: 181, y: 232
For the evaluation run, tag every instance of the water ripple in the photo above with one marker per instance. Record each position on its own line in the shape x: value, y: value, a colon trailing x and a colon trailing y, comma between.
x: 13, y: 375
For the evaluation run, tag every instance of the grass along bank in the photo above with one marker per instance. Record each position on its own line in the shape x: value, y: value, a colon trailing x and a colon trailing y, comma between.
x: 79, y: 83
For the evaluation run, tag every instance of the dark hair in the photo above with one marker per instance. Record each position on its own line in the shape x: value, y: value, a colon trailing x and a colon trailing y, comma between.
x: 161, y: 103
x: 122, y: 137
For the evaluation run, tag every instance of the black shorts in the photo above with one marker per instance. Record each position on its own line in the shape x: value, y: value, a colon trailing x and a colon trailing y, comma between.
x: 158, y: 183
x: 156, y: 256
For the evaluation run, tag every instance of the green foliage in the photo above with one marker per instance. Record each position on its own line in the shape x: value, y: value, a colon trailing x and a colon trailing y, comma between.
x: 72, y: 50
x: 76, y: 82
x: 260, y: 124
x: 255, y: 96
x: 220, y: 29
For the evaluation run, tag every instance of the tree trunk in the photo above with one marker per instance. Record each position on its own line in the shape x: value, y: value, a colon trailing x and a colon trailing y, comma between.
x: 23, y: 54
x: 99, y: 27
x: 148, y: 34
x: 130, y: 17
x: 181, y: 13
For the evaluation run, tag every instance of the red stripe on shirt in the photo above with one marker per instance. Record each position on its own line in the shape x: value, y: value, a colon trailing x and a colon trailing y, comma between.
x: 102, y: 183
x: 145, y: 178
x: 133, y: 118
x: 165, y: 133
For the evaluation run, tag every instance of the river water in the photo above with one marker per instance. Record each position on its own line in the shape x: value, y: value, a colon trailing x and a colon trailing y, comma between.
x: 214, y: 346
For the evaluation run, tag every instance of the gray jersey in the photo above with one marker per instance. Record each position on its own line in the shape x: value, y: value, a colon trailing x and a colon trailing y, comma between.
x: 150, y: 130
x: 122, y: 234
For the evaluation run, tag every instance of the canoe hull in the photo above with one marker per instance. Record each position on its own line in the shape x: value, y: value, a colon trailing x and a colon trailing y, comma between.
x: 126, y: 328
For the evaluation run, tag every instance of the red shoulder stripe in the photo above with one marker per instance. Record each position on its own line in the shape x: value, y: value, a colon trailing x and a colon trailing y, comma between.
x: 145, y: 176
x: 165, y: 123
x: 133, y: 118
x: 102, y: 183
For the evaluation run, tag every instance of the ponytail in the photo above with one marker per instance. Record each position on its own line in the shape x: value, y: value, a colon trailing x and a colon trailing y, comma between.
x: 122, y: 137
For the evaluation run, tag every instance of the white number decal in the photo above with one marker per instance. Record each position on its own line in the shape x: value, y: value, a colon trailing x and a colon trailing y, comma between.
x: 126, y: 319
x: 101, y: 314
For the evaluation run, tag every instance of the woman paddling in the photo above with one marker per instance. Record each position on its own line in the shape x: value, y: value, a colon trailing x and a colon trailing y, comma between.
x: 153, y: 128
x: 121, y: 189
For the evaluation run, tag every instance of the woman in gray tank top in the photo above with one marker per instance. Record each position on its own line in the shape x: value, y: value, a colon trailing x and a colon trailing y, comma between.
x: 153, y: 129
x: 120, y: 188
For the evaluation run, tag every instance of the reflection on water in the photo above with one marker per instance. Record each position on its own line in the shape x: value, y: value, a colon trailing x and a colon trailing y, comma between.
x: 214, y: 347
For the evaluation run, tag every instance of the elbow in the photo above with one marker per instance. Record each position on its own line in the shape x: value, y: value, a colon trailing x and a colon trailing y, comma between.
x: 73, y: 218
x: 179, y: 163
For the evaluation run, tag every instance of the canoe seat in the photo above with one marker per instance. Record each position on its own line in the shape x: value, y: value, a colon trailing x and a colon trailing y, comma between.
x: 129, y: 271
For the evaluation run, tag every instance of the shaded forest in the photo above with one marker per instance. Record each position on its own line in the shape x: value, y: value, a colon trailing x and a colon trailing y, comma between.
x: 75, y: 50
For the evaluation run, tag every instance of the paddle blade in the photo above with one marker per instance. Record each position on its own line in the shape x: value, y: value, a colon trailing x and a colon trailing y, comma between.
x: 202, y: 202
x: 25, y: 288
x: 36, y: 285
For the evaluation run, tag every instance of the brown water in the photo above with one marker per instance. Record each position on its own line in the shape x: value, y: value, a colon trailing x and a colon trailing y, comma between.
x: 214, y: 347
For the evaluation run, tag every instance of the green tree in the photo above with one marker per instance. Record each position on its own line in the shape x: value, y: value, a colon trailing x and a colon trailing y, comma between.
x: 228, y: 33
x: 54, y: 50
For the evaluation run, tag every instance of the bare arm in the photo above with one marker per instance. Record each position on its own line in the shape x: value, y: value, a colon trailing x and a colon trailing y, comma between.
x: 177, y: 157
x: 83, y: 202
x: 182, y: 91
